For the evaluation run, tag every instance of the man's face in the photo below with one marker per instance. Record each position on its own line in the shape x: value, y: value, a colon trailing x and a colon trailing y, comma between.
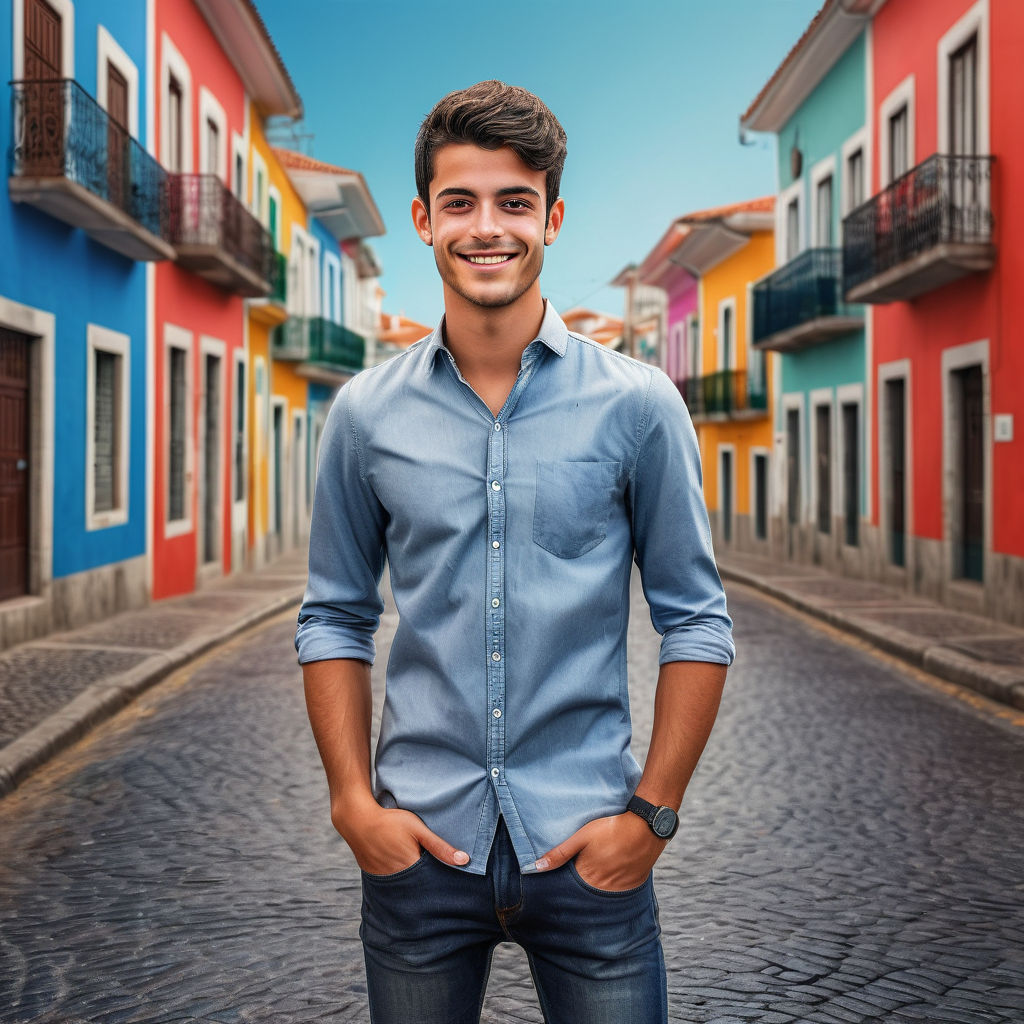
x: 487, y: 223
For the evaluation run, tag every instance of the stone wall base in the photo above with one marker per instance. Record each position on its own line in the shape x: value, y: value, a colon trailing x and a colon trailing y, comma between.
x: 73, y: 601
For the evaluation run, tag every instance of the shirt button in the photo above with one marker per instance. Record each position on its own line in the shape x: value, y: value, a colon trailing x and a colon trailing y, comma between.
x: 495, y: 486
x: 496, y: 712
x: 497, y: 426
x: 495, y: 602
x: 495, y: 656
x: 495, y: 544
x: 495, y: 773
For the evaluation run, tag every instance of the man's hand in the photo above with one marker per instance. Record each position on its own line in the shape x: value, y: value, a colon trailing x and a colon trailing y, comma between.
x: 613, y: 853
x: 385, y: 840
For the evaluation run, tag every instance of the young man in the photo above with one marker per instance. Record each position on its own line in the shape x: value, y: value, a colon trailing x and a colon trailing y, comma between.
x: 509, y: 472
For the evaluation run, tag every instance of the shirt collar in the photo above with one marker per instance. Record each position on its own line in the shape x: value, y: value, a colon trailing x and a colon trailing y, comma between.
x: 553, y: 333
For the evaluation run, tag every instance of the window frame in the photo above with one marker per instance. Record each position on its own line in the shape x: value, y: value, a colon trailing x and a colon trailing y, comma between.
x: 103, y: 339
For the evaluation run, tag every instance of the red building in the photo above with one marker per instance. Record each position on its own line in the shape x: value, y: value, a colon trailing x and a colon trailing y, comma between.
x: 935, y: 253
x: 223, y: 255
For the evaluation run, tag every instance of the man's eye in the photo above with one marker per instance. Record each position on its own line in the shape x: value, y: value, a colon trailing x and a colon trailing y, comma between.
x: 517, y: 204
x: 456, y: 204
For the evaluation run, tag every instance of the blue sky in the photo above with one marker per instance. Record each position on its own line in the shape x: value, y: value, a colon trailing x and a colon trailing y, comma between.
x: 649, y: 93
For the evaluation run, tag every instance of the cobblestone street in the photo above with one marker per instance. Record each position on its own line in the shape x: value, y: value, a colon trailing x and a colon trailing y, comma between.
x: 851, y: 849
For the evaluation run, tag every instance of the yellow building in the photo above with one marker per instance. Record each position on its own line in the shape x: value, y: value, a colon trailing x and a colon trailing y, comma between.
x: 729, y: 392
x: 277, y: 394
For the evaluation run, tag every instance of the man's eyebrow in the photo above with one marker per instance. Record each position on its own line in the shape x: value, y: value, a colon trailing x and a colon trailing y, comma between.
x: 509, y: 190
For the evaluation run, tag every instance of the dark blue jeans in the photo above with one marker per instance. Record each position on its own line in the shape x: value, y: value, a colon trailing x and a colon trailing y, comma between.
x: 429, y: 931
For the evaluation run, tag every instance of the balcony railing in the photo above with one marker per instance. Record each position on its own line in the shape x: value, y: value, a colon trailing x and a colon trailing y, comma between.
x: 802, y: 304
x: 217, y: 238
x: 319, y: 341
x: 71, y: 159
x: 929, y: 227
x: 725, y: 393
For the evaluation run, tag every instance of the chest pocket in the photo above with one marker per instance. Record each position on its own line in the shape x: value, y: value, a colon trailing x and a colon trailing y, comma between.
x: 573, y: 504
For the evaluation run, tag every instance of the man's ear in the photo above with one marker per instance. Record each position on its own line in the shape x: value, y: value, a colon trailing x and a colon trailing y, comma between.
x: 421, y: 220
x: 554, y: 225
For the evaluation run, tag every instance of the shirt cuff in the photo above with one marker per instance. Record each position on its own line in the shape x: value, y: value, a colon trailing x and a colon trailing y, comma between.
x: 698, y: 643
x: 315, y: 641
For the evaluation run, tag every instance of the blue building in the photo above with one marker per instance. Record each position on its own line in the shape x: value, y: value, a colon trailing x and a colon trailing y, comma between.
x: 81, y: 218
x: 816, y: 105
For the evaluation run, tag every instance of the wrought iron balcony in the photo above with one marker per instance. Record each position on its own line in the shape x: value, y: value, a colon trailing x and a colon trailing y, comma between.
x: 72, y: 160
x: 272, y: 309
x: 725, y: 394
x: 929, y: 227
x: 319, y: 342
x: 801, y: 304
x: 216, y: 237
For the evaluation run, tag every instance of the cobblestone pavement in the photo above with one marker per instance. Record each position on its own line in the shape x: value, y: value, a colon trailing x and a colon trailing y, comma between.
x: 852, y: 849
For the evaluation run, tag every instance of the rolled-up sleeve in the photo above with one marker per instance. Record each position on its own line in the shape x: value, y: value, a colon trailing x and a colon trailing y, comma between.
x: 342, y: 605
x: 672, y: 536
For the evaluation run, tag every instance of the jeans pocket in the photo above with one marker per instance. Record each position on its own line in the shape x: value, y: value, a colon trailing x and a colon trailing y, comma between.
x: 613, y: 893
x: 396, y: 875
x: 573, y: 503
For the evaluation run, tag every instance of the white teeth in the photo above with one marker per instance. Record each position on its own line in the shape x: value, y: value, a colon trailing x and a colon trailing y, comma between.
x: 488, y: 259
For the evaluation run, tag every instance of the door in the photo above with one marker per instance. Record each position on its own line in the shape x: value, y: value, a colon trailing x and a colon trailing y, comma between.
x: 42, y: 138
x: 211, y: 459
x: 823, y: 444
x: 851, y: 473
x: 277, y: 441
x: 118, y: 173
x: 971, y: 476
x: 897, y: 490
x: 14, y: 465
x: 761, y: 497
x: 726, y: 491
x: 963, y: 138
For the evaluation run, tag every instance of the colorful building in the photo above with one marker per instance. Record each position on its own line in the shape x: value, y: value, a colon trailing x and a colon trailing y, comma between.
x: 705, y: 264
x: 934, y: 253
x: 816, y: 105
x: 81, y: 220
x: 215, y: 67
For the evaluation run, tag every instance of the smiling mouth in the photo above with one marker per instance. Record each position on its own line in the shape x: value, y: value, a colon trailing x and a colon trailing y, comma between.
x: 485, y: 261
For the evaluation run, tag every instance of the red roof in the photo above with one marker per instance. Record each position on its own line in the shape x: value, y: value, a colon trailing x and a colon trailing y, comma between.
x: 301, y: 162
x: 766, y: 204
x: 790, y: 57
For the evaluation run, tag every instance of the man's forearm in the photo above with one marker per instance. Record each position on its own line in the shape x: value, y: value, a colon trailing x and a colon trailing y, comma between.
x: 685, y: 707
x: 340, y: 706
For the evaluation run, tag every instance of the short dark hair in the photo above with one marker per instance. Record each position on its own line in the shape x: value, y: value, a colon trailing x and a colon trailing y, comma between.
x: 491, y: 115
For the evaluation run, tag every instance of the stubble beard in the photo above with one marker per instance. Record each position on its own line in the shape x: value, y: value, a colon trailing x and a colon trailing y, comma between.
x: 516, y: 291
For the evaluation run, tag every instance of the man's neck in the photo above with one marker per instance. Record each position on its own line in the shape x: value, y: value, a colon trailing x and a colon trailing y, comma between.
x: 491, y: 340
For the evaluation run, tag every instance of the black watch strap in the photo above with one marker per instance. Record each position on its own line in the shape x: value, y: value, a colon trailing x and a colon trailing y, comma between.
x: 662, y: 820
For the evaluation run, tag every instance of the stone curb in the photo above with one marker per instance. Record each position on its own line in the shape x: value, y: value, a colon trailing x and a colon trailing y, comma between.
x: 994, y: 681
x: 104, y: 698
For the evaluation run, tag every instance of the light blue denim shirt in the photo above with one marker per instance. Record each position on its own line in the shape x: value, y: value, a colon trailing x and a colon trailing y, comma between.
x: 509, y: 541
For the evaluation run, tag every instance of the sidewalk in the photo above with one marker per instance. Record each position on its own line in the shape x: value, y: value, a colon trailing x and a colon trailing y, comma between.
x: 979, y: 653
x: 53, y: 690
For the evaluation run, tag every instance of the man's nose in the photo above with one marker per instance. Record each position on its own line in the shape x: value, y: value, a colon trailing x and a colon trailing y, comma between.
x: 487, y: 223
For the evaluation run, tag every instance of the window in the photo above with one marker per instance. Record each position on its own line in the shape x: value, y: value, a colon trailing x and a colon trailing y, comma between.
x: 107, y: 437
x: 963, y: 99
x: 727, y: 335
x: 238, y: 179
x: 792, y: 229
x: 175, y: 126
x: 176, y: 433
x: 823, y: 213
x: 693, y: 345
x: 855, y: 179
x: 899, y: 143
x: 212, y: 146
x: 823, y: 445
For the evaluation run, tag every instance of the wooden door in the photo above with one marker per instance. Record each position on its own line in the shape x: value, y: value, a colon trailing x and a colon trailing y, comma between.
x: 43, y: 125
x: 14, y: 463
x: 895, y: 391
x: 118, y: 174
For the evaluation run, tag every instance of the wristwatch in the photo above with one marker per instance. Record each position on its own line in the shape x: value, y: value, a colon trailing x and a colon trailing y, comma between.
x: 663, y: 820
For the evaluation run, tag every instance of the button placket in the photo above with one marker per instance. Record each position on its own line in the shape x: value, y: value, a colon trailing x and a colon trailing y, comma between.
x: 494, y: 597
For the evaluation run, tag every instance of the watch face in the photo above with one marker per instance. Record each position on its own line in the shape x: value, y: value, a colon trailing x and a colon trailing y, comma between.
x: 664, y: 823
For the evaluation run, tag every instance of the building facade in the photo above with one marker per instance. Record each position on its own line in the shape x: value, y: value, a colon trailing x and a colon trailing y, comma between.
x: 82, y: 222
